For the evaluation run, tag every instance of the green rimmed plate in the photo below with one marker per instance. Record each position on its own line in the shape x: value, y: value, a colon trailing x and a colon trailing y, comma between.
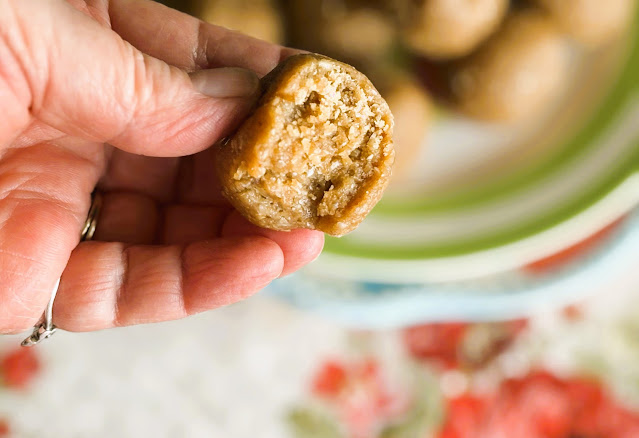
x: 487, y: 199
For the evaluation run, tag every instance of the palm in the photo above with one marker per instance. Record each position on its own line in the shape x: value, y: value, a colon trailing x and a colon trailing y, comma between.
x: 167, y: 244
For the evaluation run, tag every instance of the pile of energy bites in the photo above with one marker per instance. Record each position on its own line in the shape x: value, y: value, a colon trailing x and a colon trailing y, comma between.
x: 494, y: 60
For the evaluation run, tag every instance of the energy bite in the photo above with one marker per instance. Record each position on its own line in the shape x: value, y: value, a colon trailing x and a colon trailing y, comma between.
x: 412, y: 110
x: 316, y: 153
x: 592, y: 22
x: 449, y: 29
x: 517, y: 74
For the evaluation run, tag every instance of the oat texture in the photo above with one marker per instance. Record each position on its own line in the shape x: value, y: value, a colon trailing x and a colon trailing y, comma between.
x: 316, y: 153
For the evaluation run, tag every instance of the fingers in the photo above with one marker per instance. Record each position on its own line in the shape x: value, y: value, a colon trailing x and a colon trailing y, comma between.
x: 186, y: 42
x: 83, y: 79
x: 14, y: 91
x: 107, y: 284
x: 226, y: 82
x: 300, y: 246
x: 31, y: 259
x: 137, y: 219
x: 128, y: 217
x: 133, y: 218
x: 185, y: 224
x: 198, y: 182
x: 44, y: 198
x: 151, y: 176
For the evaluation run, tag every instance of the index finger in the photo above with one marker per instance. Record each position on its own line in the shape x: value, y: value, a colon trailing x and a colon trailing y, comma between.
x: 188, y: 43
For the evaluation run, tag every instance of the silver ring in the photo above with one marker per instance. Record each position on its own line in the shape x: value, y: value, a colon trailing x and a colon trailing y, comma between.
x: 45, y: 328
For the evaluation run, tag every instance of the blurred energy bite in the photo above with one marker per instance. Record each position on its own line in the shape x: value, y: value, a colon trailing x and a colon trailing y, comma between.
x: 591, y: 22
x: 446, y: 29
x: 517, y: 73
x: 257, y: 18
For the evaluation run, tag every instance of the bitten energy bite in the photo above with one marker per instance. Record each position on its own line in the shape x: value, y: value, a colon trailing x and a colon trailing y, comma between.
x: 316, y: 153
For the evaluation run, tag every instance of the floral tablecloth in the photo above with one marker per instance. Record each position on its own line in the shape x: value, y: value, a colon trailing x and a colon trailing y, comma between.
x: 261, y: 368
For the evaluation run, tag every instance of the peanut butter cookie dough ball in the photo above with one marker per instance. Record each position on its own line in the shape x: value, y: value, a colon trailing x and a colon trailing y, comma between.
x: 316, y: 153
x: 352, y: 32
x: 447, y: 29
x: 516, y: 74
x: 362, y: 34
x: 592, y: 22
x: 412, y: 110
x: 257, y: 18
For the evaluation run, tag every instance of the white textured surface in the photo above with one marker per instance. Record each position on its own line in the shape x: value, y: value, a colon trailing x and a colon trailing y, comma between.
x: 235, y: 372
x: 230, y: 373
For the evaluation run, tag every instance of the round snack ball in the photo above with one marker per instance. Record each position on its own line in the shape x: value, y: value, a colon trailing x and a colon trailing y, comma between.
x: 256, y: 18
x: 412, y: 110
x: 516, y: 74
x: 316, y: 153
x: 447, y: 29
x: 360, y: 34
x: 592, y: 22
x: 350, y: 31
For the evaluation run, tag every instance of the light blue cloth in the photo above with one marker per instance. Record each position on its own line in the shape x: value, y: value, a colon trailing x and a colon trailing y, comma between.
x: 379, y: 306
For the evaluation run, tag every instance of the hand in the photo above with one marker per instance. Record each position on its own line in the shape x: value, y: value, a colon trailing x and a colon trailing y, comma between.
x: 96, y: 92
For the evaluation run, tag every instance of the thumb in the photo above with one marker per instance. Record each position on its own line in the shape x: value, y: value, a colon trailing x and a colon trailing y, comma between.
x: 81, y: 78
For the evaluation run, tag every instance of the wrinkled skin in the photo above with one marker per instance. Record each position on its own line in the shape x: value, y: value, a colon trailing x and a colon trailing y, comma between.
x: 82, y: 106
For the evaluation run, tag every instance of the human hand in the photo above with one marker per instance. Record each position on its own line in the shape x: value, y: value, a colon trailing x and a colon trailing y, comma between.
x: 96, y: 92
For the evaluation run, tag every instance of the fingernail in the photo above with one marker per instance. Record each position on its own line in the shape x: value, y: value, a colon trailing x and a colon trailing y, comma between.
x: 226, y: 82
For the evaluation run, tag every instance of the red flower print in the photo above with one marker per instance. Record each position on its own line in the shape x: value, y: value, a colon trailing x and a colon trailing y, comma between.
x: 466, y: 413
x: 330, y: 380
x: 19, y: 367
x: 532, y: 407
x: 437, y: 342
x: 574, y: 312
x: 360, y: 395
x: 4, y: 428
x: 461, y: 345
x: 596, y: 414
x: 540, y: 406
